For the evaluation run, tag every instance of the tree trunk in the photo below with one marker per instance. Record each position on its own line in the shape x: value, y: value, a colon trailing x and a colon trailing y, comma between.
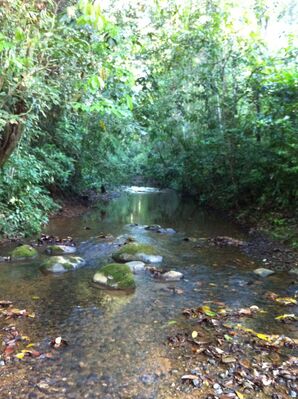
x: 11, y: 135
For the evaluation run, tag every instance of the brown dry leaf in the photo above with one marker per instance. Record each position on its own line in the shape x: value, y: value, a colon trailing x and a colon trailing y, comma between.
x: 271, y: 295
x: 9, y: 350
x: 189, y: 377
x: 228, y: 359
x: 245, y: 312
x: 245, y: 363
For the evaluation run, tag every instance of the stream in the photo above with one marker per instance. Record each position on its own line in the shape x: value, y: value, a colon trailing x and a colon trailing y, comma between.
x: 118, y: 342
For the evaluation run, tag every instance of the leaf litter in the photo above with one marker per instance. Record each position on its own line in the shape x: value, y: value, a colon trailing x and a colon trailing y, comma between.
x: 16, y: 346
x: 234, y: 361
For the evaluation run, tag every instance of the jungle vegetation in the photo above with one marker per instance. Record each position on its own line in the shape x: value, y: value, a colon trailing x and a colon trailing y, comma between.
x: 199, y: 96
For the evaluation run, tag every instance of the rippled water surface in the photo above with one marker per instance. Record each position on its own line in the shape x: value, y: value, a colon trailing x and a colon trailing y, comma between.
x: 118, y: 342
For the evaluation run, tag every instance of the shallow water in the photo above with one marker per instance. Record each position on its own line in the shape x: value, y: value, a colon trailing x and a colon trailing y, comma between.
x: 118, y: 342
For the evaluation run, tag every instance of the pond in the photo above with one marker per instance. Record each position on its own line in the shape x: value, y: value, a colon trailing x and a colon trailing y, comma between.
x: 117, y: 342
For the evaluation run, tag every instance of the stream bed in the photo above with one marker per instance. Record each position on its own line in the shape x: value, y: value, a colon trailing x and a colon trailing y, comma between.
x: 118, y: 343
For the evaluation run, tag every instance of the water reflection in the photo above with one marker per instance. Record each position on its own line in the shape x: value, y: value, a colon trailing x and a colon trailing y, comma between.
x: 117, y: 342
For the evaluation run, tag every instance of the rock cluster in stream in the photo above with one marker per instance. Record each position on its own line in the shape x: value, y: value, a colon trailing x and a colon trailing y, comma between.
x: 132, y: 258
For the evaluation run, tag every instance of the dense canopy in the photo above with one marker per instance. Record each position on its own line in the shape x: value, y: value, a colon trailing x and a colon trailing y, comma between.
x: 200, y: 96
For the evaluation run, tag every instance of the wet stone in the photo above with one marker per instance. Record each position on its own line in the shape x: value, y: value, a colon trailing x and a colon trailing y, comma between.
x: 24, y: 252
x: 262, y: 272
x: 136, y: 266
x: 150, y: 258
x: 115, y: 275
x: 294, y: 271
x: 62, y: 264
x: 172, y: 275
x: 60, y: 249
x: 148, y: 379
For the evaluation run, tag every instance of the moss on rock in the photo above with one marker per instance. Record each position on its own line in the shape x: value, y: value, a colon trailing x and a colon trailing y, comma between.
x: 24, y: 251
x: 115, y: 275
x: 129, y: 252
x: 60, y: 249
x: 61, y: 264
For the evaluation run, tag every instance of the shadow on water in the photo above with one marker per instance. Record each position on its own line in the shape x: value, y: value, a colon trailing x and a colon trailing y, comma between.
x: 117, y: 342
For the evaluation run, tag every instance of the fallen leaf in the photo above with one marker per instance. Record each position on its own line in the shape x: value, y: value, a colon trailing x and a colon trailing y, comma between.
x: 207, y: 311
x: 240, y: 395
x: 20, y: 355
x: 9, y: 350
x: 245, y: 363
x: 189, y: 377
x: 58, y: 342
x: 287, y: 317
x: 194, y: 334
x: 228, y: 359
x: 286, y: 301
x: 245, y: 312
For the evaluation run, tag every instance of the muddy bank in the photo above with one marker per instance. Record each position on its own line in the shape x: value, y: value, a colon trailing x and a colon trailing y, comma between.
x: 272, y: 253
x: 77, y: 205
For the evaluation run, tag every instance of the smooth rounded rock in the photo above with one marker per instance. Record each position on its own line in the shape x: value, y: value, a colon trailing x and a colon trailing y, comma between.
x: 60, y: 249
x: 172, y: 275
x: 150, y: 258
x: 262, y: 272
x: 115, y: 275
x: 136, y: 266
x: 294, y: 271
x: 24, y: 252
x: 137, y: 252
x: 62, y: 264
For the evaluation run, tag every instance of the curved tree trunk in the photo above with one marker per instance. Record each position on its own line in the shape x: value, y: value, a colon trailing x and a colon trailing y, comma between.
x: 11, y: 135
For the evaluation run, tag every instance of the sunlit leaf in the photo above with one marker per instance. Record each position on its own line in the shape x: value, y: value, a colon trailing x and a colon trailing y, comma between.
x: 194, y: 334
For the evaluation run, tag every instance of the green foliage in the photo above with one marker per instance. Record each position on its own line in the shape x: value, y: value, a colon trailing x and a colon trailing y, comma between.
x: 187, y: 94
x: 219, y: 107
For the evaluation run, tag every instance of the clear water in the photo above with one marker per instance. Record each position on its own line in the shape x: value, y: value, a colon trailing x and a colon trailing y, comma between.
x: 118, y: 342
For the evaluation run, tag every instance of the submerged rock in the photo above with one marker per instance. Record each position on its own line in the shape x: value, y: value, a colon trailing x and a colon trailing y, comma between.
x: 136, y: 266
x: 294, y: 271
x: 150, y: 258
x: 5, y: 258
x: 172, y: 275
x: 115, y: 275
x: 153, y: 227
x: 24, y: 252
x: 158, y: 229
x: 62, y: 264
x: 223, y: 241
x: 262, y: 272
x: 137, y: 252
x: 60, y: 249
x: 167, y: 230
